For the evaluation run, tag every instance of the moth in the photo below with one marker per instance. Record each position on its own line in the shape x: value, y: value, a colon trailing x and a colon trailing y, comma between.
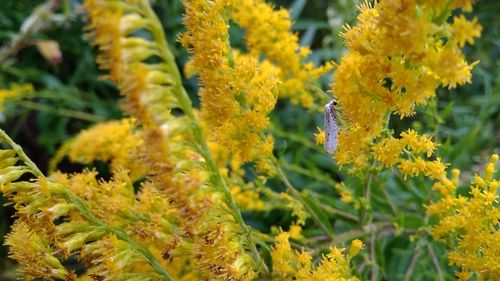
x: 331, y: 127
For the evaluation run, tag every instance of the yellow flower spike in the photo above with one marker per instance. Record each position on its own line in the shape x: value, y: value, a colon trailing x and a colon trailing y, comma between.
x: 238, y: 91
x: 397, y: 57
x: 32, y: 251
x: 470, y: 223
x: 268, y: 33
x: 116, y: 142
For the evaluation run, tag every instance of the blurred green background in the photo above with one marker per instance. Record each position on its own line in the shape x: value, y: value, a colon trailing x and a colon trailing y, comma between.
x: 69, y: 97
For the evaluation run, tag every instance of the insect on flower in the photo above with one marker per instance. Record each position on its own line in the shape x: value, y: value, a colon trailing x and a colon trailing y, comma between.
x: 331, y: 127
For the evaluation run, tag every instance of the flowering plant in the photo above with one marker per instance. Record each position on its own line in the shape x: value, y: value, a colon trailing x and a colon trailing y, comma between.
x: 174, y: 191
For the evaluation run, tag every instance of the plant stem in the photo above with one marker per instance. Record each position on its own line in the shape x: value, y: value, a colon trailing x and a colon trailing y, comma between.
x: 435, y: 261
x: 295, y: 193
x: 413, y: 263
x: 19, y: 150
x: 61, y: 111
x: 366, y: 206
x: 144, y: 251
x: 202, y: 147
x: 373, y: 257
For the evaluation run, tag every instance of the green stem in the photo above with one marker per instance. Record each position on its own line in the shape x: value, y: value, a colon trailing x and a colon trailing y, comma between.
x: 60, y: 111
x: 373, y: 258
x: 364, y: 215
x: 144, y: 251
x: 186, y: 106
x: 19, y: 150
x: 435, y: 261
x: 339, y: 213
x: 413, y: 263
x: 295, y: 193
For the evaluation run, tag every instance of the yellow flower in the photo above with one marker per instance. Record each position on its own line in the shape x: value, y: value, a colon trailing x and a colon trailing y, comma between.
x: 175, y: 154
x: 396, y: 59
x: 356, y: 246
x: 116, y: 142
x: 387, y: 151
x: 346, y: 195
x: 290, y: 264
x: 31, y: 249
x: 247, y: 199
x: 150, y: 89
x: 418, y: 143
x: 298, y: 209
x: 464, y: 30
x: 268, y: 33
x: 472, y: 223
x: 237, y: 91
x: 320, y: 136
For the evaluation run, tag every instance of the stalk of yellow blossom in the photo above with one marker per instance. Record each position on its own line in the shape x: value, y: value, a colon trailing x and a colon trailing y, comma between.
x: 151, y: 90
x: 469, y: 224
x: 238, y: 91
x: 268, y: 33
x: 398, y: 54
x: 290, y: 264
x: 116, y: 142
x: 36, y: 258
x: 39, y: 203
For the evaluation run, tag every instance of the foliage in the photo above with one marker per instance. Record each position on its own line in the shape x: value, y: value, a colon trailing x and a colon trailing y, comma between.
x: 178, y: 140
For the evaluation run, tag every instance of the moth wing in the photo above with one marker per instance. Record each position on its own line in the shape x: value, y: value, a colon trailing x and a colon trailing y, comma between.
x: 331, y: 128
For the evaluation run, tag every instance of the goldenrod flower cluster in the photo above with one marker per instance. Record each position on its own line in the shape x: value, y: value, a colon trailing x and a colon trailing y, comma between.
x: 150, y: 89
x: 238, y: 91
x: 268, y: 33
x: 171, y: 210
x: 206, y: 233
x: 117, y: 142
x: 57, y: 223
x: 291, y: 264
x: 186, y: 222
x: 398, y: 54
x: 470, y: 224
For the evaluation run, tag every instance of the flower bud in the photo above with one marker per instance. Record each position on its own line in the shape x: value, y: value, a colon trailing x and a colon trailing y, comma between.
x: 356, y: 246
